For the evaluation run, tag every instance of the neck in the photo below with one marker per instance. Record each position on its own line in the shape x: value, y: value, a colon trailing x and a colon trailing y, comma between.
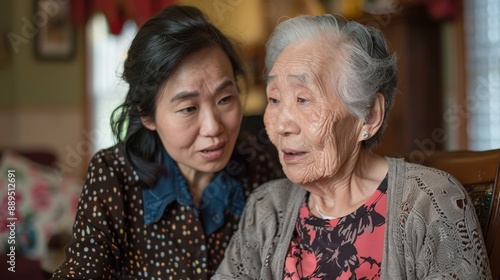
x: 325, y: 217
x: 341, y: 195
x: 196, y: 189
x: 197, y: 182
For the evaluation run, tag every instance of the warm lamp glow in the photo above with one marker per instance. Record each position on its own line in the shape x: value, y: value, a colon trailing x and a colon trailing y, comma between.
x: 243, y: 20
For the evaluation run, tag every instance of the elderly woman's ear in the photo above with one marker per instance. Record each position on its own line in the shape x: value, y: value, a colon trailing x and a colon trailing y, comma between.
x: 375, y: 118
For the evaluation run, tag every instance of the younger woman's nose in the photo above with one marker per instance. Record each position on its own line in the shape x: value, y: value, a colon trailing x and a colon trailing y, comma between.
x: 211, y: 124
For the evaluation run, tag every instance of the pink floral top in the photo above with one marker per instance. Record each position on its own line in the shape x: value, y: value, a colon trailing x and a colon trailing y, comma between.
x: 343, y: 248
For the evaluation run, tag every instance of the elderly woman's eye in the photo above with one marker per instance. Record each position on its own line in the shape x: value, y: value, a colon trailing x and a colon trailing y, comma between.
x: 272, y: 100
x: 301, y: 100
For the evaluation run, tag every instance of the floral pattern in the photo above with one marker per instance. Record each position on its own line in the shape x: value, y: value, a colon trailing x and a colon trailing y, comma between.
x: 45, y: 205
x: 349, y: 247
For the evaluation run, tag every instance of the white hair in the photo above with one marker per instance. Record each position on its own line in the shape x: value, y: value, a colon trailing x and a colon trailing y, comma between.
x: 364, y: 65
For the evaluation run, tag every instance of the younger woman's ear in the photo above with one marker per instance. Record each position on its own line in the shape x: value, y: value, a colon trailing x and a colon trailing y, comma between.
x: 148, y: 123
x: 375, y: 118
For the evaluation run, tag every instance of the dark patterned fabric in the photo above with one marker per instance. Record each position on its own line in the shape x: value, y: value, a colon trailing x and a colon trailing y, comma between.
x: 112, y: 241
x: 349, y: 247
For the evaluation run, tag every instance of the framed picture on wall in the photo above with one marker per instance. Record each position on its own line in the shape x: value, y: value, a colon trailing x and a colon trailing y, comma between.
x: 56, y: 36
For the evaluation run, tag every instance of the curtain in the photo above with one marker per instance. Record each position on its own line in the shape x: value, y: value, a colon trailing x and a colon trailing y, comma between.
x: 482, y: 30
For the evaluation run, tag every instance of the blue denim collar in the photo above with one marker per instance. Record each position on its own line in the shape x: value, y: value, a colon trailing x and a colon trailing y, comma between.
x: 223, y: 193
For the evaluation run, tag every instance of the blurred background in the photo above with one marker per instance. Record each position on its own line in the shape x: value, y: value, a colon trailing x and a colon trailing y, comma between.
x: 61, y: 61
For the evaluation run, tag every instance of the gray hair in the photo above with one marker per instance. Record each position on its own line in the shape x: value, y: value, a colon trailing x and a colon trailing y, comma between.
x: 366, y: 67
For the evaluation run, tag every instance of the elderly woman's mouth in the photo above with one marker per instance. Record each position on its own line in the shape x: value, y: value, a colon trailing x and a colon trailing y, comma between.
x: 291, y: 155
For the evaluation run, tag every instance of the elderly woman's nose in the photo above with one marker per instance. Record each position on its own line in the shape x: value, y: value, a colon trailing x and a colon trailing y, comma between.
x: 286, y: 122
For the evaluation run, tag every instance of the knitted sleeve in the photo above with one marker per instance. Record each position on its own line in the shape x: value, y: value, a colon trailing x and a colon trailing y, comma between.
x: 441, y: 233
x: 242, y: 259
x: 257, y: 249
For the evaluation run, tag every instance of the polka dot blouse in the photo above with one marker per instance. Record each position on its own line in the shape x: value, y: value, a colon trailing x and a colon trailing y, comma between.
x: 112, y: 241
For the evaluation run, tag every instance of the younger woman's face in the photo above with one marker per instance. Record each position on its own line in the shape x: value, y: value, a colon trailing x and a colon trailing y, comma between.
x: 198, y: 113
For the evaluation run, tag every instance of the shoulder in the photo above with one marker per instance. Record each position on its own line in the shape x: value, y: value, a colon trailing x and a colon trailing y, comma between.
x: 271, y: 205
x: 109, y: 166
x: 278, y: 188
x: 423, y: 177
x: 432, y: 194
x: 275, y: 196
x: 418, y: 177
x: 112, y: 156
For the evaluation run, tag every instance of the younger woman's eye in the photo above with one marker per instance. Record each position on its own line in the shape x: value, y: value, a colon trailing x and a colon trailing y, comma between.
x: 188, y: 110
x: 226, y: 99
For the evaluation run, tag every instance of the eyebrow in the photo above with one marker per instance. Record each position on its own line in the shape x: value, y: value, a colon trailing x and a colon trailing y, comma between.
x: 269, y: 78
x: 225, y: 84
x: 183, y: 95
x: 303, y: 78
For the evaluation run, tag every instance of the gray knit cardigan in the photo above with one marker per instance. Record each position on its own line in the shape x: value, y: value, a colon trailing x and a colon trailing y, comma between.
x: 432, y: 231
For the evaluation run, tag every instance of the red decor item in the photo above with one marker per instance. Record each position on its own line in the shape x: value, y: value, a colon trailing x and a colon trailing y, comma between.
x: 117, y: 11
x: 443, y: 9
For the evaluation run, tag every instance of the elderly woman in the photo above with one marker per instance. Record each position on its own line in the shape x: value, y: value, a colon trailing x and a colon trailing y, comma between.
x: 345, y: 212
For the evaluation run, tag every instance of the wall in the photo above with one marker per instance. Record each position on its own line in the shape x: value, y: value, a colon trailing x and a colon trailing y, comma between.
x: 244, y: 21
x: 42, y: 102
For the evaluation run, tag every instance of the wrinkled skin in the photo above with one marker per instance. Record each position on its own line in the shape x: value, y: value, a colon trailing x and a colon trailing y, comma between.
x: 318, y: 140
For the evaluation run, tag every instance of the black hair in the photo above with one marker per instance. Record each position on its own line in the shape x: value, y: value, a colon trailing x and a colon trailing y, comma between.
x: 158, y: 47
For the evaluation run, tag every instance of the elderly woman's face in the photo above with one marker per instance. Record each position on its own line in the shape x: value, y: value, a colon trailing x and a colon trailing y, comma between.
x: 306, y: 121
